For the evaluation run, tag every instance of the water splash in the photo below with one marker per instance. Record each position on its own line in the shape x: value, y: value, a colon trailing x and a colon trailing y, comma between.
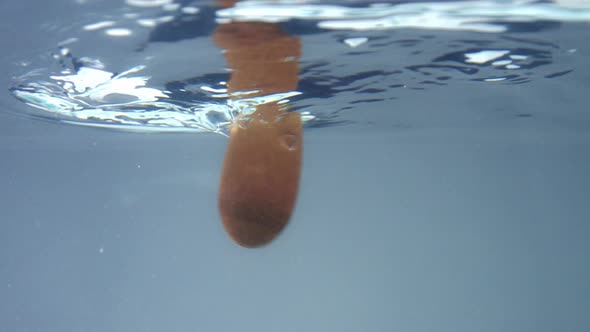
x: 96, y: 97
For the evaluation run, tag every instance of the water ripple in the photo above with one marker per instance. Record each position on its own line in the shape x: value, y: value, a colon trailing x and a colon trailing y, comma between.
x: 349, y: 60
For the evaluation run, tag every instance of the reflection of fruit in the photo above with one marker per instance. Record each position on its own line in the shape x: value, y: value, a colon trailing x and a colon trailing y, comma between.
x: 261, y: 56
x: 260, y: 178
x: 225, y: 3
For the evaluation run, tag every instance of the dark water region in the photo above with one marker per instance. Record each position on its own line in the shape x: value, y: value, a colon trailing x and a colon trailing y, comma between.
x: 444, y: 177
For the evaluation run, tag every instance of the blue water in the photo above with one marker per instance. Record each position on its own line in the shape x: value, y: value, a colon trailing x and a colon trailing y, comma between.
x: 444, y: 183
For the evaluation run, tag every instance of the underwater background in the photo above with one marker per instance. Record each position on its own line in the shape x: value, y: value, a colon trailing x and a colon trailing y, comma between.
x: 444, y: 183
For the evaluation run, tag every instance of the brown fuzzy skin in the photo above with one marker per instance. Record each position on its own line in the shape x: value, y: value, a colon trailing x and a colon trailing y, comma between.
x: 262, y: 166
x: 260, y: 178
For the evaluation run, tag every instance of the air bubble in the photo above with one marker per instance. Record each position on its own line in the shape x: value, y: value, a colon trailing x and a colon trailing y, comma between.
x: 289, y: 142
x: 243, y: 122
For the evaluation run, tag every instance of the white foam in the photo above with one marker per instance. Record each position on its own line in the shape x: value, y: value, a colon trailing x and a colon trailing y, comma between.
x: 148, y: 3
x: 190, y: 10
x: 485, y: 56
x: 355, y: 42
x: 501, y: 63
x: 98, y: 25
x: 486, y: 16
x: 119, y: 32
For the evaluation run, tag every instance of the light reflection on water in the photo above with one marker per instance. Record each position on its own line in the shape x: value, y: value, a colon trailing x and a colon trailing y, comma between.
x: 493, y: 47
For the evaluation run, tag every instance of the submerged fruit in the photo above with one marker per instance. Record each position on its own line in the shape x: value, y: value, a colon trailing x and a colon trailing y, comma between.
x: 260, y: 178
